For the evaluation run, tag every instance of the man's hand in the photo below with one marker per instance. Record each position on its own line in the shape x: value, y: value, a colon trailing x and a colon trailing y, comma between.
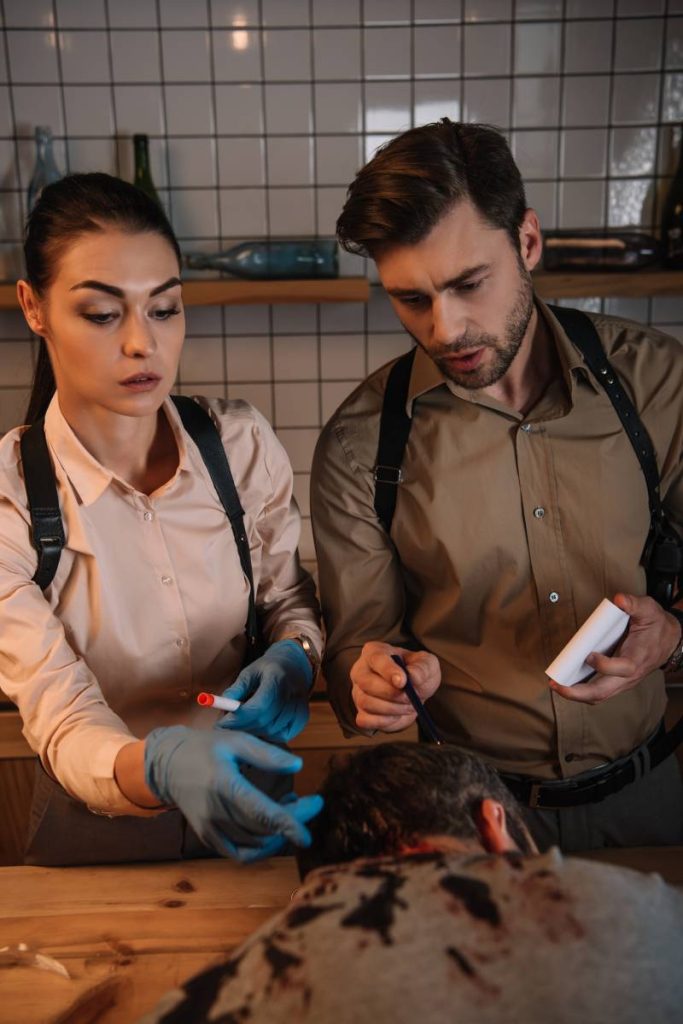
x: 378, y: 683
x: 652, y: 636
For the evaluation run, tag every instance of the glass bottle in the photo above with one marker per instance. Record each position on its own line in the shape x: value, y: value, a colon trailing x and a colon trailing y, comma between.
x: 143, y: 175
x: 672, y: 219
x: 45, y: 170
x: 272, y: 259
x: 592, y: 249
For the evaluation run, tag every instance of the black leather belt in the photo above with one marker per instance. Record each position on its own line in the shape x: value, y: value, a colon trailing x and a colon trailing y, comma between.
x: 598, y: 783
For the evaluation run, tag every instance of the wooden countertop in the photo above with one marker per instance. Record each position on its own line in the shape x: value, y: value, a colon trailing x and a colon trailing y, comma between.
x: 128, y: 933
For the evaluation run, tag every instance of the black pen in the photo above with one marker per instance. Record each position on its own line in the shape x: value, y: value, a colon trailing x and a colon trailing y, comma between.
x: 424, y: 718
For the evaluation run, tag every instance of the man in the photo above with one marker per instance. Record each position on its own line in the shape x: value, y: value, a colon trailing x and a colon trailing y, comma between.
x: 521, y: 505
x: 436, y: 909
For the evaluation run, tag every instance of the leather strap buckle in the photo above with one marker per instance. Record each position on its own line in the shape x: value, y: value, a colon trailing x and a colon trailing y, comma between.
x: 49, y: 543
x: 388, y: 475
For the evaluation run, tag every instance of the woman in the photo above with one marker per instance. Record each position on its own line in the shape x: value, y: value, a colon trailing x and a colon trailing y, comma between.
x: 149, y: 602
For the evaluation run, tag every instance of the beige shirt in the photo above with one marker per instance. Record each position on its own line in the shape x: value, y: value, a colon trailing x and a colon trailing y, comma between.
x: 508, y: 532
x: 149, y: 603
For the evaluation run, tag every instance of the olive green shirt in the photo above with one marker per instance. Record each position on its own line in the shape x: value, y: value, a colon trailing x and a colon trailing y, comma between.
x: 508, y: 531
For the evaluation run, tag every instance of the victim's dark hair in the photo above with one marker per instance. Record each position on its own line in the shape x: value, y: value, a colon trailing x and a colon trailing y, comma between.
x: 385, y: 797
x: 414, y: 179
x: 77, y: 205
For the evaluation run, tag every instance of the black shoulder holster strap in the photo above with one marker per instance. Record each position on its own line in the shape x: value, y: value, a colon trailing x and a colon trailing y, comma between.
x: 47, y: 531
x: 394, y: 428
x: 662, y: 555
x: 203, y: 431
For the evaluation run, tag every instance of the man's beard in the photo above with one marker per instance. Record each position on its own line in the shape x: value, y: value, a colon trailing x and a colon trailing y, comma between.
x: 504, y: 351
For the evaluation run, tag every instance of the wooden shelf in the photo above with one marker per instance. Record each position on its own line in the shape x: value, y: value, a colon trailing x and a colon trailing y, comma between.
x: 233, y: 292
x: 636, y: 284
x: 555, y: 285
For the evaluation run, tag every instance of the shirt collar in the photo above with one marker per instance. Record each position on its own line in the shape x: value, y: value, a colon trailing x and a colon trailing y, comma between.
x: 89, y: 477
x: 571, y: 359
x: 426, y: 375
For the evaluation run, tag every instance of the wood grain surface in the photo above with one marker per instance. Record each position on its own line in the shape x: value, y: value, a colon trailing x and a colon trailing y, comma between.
x: 128, y: 933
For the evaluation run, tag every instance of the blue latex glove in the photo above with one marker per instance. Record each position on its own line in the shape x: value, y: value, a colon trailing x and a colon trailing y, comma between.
x: 198, y: 771
x: 274, y: 690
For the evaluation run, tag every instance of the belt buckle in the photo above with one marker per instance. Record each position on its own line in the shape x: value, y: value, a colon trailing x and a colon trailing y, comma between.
x: 535, y: 795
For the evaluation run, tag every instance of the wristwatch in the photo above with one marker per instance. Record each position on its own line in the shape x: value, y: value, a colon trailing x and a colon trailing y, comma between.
x: 675, y: 660
x: 309, y: 650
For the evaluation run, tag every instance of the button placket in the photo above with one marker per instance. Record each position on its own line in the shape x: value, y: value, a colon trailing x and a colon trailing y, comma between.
x: 174, y: 610
x: 537, y: 473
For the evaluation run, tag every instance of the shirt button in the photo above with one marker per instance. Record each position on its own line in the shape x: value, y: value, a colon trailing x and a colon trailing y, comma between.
x: 167, y: 579
x: 539, y: 512
x: 526, y: 427
x: 553, y: 596
x: 183, y: 693
x: 180, y: 642
x: 148, y: 517
x: 569, y: 758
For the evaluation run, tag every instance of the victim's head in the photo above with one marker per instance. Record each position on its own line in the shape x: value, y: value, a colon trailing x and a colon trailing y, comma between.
x: 392, y: 798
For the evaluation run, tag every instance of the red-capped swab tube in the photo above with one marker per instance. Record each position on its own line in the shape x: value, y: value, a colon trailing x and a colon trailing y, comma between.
x: 209, y: 700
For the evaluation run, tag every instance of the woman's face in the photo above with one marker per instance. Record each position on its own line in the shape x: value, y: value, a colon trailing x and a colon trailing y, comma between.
x: 114, y: 323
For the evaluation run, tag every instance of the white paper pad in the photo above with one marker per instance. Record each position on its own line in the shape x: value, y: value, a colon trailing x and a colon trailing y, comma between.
x: 600, y: 632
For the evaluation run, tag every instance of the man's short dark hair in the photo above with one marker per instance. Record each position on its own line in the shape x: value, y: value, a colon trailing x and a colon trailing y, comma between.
x: 391, y: 795
x: 414, y: 179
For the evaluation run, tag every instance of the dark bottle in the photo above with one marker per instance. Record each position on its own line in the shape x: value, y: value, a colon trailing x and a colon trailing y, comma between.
x: 672, y: 220
x: 143, y: 176
x: 281, y: 258
x: 596, y: 250
x: 45, y: 170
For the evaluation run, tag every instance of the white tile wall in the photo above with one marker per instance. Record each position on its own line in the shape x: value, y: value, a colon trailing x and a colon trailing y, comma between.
x: 260, y: 112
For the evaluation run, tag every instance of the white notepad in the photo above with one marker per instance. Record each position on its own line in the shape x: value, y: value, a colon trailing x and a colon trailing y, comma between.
x: 601, y: 631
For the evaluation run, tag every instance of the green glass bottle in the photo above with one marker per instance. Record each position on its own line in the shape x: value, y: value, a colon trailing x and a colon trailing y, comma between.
x: 143, y: 175
x: 281, y: 258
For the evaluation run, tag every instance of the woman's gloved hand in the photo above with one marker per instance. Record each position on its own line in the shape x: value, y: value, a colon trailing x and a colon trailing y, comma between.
x: 198, y: 772
x: 274, y: 691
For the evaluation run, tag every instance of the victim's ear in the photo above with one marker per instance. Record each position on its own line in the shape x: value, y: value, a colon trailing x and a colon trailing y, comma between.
x: 491, y: 822
x: 31, y: 307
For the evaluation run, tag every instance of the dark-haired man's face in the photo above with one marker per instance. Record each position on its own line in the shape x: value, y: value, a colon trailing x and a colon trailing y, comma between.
x: 464, y: 294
